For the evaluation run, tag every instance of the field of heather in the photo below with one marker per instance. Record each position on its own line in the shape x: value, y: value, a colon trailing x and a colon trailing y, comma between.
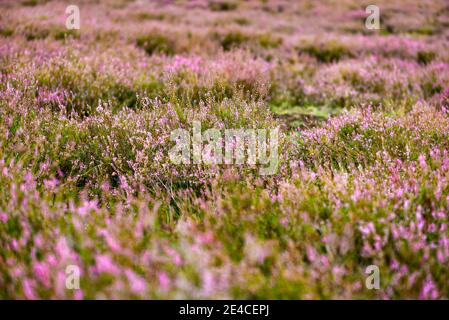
x: 352, y: 201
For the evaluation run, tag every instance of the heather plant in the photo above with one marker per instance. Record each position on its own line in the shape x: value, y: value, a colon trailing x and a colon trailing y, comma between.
x: 222, y: 5
x: 87, y: 119
x: 330, y: 51
x: 232, y: 39
x: 156, y: 42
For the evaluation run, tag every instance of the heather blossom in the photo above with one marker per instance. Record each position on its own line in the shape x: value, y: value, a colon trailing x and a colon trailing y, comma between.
x: 86, y: 124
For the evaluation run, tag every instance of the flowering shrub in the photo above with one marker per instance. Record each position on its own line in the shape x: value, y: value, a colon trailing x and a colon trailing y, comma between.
x: 86, y: 181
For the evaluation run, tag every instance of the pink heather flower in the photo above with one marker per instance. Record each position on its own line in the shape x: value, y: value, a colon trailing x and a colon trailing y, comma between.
x: 311, y: 254
x: 51, y: 260
x: 367, y: 229
x: 206, y: 237
x: 432, y: 228
x: 62, y: 249
x: 377, y: 243
x: 164, y: 280
x: 338, y: 271
x: 3, y: 217
x: 406, y: 204
x: 44, y: 166
x: 136, y: 282
x: 123, y: 183
x: 284, y: 221
x: 366, y: 250
x: 60, y: 287
x: 412, y: 278
x: 440, y: 256
x: 399, y: 192
x: 112, y: 243
x: 357, y: 195
x: 187, y: 63
x: 29, y: 184
x: 105, y: 186
x: 38, y: 241
x: 86, y: 207
x: 356, y: 286
x: 14, y: 244
x: 28, y: 290
x: 276, y: 197
x: 5, y: 171
x: 41, y: 271
x: 422, y: 161
x: 51, y: 183
x: 78, y: 294
x: 394, y: 264
x: 177, y: 260
x: 104, y: 264
x: 17, y: 272
x: 429, y: 290
x: 208, y: 283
